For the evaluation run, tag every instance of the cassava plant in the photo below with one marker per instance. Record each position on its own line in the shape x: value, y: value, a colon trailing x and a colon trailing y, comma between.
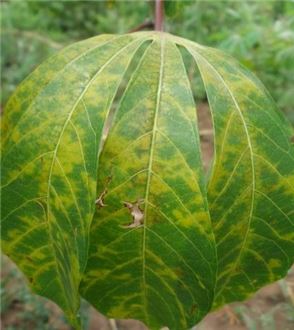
x: 104, y: 195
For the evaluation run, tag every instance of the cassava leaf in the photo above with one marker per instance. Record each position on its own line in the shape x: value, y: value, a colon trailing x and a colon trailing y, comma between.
x: 103, y: 191
x: 251, y: 190
x: 49, y: 164
x: 152, y: 154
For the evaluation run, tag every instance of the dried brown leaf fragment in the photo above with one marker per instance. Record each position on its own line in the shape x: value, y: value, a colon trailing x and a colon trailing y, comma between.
x: 136, y: 212
x: 100, y: 200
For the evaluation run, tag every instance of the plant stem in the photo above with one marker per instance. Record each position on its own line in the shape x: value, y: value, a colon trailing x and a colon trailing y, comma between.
x: 159, y: 13
x: 112, y: 324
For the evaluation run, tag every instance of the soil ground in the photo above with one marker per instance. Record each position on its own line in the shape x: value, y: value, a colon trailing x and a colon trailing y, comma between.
x: 271, y: 308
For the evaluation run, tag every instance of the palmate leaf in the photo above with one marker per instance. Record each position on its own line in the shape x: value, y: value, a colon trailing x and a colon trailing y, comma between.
x: 112, y: 119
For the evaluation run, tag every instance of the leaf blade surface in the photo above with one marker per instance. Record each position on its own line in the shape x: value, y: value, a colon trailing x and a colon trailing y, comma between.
x: 162, y: 245
x: 153, y: 161
x: 251, y: 188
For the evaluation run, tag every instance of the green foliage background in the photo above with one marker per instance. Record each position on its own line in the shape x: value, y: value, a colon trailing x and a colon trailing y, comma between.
x: 258, y: 33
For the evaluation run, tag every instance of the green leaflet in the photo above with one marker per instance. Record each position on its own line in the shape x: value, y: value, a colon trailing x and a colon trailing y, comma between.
x: 150, y: 155
x: 251, y: 190
x: 196, y: 247
x: 49, y: 166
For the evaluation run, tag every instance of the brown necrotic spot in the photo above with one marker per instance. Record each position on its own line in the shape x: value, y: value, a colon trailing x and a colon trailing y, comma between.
x: 136, y: 213
x: 100, y: 200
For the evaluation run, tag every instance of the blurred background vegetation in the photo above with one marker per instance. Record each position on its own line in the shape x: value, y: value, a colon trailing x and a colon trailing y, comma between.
x: 259, y: 33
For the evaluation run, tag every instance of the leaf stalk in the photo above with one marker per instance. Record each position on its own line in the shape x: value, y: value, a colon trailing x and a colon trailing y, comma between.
x: 159, y: 15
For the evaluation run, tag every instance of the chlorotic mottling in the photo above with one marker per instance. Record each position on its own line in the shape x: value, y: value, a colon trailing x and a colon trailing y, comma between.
x: 103, y: 190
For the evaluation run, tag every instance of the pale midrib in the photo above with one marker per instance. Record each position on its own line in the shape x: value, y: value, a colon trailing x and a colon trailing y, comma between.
x: 150, y: 174
x: 25, y: 113
x: 84, y: 162
x: 194, y: 125
x: 215, y: 165
x: 121, y: 100
x: 61, y: 134
x: 20, y: 206
x: 24, y: 168
x: 228, y: 181
x: 252, y: 169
